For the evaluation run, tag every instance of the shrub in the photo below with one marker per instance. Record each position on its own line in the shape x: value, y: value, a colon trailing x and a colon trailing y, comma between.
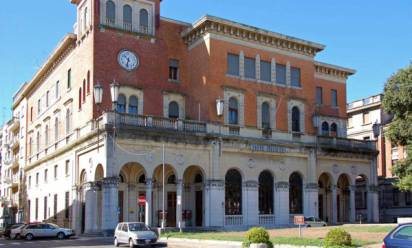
x: 337, y: 237
x: 257, y: 235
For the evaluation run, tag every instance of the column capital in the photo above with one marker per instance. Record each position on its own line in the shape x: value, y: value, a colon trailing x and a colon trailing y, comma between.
x: 110, y: 182
x: 251, y: 184
x: 215, y: 183
x: 91, y: 186
x: 179, y: 182
x: 282, y: 186
x: 311, y: 187
x: 149, y: 183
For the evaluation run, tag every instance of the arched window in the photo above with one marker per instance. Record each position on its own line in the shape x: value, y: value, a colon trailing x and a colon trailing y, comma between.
x: 265, y: 193
x: 295, y: 119
x: 127, y: 17
x: 46, y: 135
x: 56, y: 129
x: 233, y: 111
x: 173, y: 110
x: 233, y: 193
x: 68, y: 121
x: 133, y: 105
x: 142, y: 179
x: 325, y: 129
x: 295, y: 194
x: 121, y: 104
x: 144, y: 21
x: 334, y: 130
x: 110, y: 12
x: 265, y: 115
x: 80, y: 98
x: 171, y: 179
x: 38, y: 142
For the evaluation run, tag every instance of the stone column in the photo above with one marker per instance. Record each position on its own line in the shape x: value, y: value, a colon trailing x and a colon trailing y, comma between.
x: 214, y: 203
x: 311, y: 193
x: 282, y: 203
x: 133, y: 205
x: 352, y: 206
x: 90, y: 191
x: 334, y: 205
x: 110, y: 216
x: 148, y: 207
x: 179, y: 189
x: 250, y: 203
x: 75, y: 210
x: 373, y: 204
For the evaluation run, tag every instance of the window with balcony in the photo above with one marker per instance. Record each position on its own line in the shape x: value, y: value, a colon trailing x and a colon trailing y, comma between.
x: 296, y: 119
x: 265, y: 115
x: 121, y: 104
x: 233, y: 111
x: 174, y: 69
x: 295, y: 77
x: 265, y: 71
x: 173, y: 110
x: 233, y: 64
x: 319, y: 95
x: 281, y: 74
x: 334, y: 98
x: 250, y: 68
x: 127, y: 17
x: 144, y: 21
x: 133, y: 105
x: 110, y: 12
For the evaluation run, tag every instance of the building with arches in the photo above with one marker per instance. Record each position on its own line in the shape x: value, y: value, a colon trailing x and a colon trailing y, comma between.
x: 215, y: 122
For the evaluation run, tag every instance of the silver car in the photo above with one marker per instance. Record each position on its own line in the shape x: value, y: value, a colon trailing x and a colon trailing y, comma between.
x: 134, y: 234
x: 44, y: 230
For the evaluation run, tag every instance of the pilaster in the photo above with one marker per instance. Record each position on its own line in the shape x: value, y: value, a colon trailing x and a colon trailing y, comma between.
x: 352, y: 206
x: 110, y: 215
x: 334, y: 205
x: 179, y: 189
x: 282, y: 203
x: 149, y: 206
x: 214, y: 203
x: 250, y: 203
x: 90, y: 191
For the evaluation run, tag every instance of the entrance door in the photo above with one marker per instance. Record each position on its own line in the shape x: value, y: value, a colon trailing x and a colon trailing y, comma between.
x: 320, y: 202
x: 120, y: 199
x: 199, y: 208
x: 171, y: 209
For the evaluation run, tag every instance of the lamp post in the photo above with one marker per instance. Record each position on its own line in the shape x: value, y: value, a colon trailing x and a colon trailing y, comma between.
x: 98, y: 97
x: 220, y: 103
x: 114, y: 92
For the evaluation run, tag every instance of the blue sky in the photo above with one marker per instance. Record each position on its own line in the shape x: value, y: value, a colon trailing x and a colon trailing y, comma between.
x: 374, y: 37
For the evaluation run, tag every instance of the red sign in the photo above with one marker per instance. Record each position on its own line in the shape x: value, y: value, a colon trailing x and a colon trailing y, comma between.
x: 142, y: 200
x: 299, y: 220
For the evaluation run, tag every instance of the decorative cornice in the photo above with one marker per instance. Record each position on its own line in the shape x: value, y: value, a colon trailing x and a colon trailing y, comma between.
x: 332, y: 72
x: 215, y: 25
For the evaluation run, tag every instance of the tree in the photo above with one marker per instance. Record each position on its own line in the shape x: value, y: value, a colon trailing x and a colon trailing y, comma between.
x: 397, y: 100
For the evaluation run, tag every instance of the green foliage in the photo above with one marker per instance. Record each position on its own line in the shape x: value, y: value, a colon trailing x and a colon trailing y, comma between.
x: 337, y: 237
x: 398, y: 101
x: 257, y: 235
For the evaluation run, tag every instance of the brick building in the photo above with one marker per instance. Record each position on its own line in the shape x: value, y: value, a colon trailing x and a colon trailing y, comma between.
x: 218, y: 123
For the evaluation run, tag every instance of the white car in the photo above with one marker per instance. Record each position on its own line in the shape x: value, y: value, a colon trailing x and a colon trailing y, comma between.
x: 134, y: 234
x: 44, y: 230
x: 314, y: 222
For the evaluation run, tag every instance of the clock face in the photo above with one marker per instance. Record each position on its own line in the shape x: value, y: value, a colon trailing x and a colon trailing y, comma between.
x: 128, y: 60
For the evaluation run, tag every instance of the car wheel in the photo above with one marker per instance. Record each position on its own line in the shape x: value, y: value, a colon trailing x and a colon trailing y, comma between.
x: 131, y: 245
x: 116, y: 243
x: 324, y: 225
x: 61, y: 235
x: 308, y: 226
x: 17, y: 236
x: 29, y: 236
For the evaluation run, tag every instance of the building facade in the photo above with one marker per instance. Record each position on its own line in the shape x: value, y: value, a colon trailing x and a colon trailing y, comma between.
x: 216, y: 124
x: 362, y: 115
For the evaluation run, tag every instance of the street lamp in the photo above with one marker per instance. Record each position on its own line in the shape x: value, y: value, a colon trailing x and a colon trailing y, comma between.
x: 98, y: 93
x: 114, y: 91
x: 219, y: 106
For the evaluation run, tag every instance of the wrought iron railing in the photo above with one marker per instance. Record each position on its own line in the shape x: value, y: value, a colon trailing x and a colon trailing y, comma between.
x: 233, y: 220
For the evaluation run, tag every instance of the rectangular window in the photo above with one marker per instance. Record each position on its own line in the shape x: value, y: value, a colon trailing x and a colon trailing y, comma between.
x: 55, y: 207
x: 280, y: 74
x: 366, y: 118
x: 69, y: 78
x: 334, y: 98
x: 295, y: 77
x: 29, y: 181
x: 45, y: 175
x: 250, y: 68
x: 395, y: 196
x: 37, y: 178
x: 57, y: 90
x: 36, y: 212
x: 265, y: 71
x: 31, y: 114
x: 45, y: 208
x: 55, y: 171
x: 66, y: 205
x: 66, y: 167
x: 47, y: 98
x: 38, y: 107
x: 233, y: 64
x: 319, y: 95
x: 174, y: 69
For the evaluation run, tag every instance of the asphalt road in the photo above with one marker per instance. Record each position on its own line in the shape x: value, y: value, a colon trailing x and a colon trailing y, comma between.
x: 84, y: 242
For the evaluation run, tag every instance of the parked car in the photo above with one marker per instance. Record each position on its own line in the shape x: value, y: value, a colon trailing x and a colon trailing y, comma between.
x: 134, y: 234
x: 399, y: 237
x: 45, y: 230
x: 7, y: 230
x: 15, y: 232
x: 314, y: 222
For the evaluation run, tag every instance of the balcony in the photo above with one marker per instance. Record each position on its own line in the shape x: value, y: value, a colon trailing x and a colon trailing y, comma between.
x: 128, y: 27
x: 14, y: 142
x: 14, y: 124
x: 365, y: 102
x: 345, y: 144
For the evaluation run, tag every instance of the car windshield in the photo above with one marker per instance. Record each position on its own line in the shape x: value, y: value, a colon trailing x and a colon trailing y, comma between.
x: 136, y: 227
